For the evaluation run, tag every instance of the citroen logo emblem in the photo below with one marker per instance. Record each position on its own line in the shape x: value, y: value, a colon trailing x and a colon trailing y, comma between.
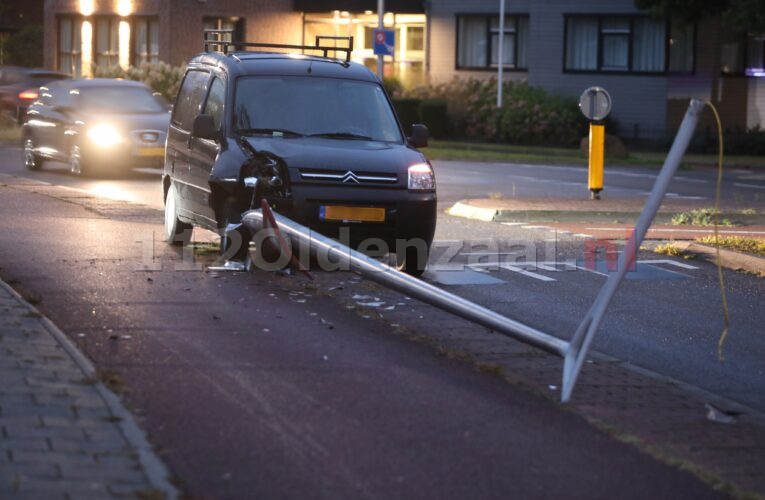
x: 350, y: 177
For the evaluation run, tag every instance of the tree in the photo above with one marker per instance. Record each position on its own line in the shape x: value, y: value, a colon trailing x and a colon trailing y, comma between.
x: 25, y: 47
x: 741, y: 15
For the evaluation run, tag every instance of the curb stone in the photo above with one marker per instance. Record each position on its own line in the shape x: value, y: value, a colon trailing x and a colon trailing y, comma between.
x: 467, y: 211
x: 729, y: 259
x: 155, y: 470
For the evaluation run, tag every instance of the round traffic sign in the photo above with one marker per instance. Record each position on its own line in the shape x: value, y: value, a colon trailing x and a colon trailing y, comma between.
x: 380, y: 37
x: 595, y: 103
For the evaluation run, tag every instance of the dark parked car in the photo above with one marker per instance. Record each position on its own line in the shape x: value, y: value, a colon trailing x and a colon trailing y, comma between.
x: 96, y: 126
x: 19, y: 87
x: 319, y: 134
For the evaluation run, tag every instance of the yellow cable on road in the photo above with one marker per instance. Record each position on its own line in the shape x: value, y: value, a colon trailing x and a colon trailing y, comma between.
x: 726, y: 319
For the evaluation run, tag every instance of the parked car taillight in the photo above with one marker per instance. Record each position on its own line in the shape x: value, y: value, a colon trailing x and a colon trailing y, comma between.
x: 29, y: 95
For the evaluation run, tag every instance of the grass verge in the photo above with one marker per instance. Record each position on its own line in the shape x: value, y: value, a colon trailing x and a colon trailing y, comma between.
x: 699, y: 217
x: 492, y: 152
x: 751, y: 246
x: 10, y: 134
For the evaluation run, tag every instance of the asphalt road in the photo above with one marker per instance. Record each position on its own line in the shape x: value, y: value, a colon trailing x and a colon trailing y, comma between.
x: 259, y: 386
x: 460, y: 180
x: 667, y: 319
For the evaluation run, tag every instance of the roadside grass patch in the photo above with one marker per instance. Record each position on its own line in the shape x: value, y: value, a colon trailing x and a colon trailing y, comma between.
x: 672, y: 250
x: 9, y: 129
x: 669, y: 249
x: 738, y: 243
x: 10, y: 134
x: 749, y: 211
x: 698, y: 217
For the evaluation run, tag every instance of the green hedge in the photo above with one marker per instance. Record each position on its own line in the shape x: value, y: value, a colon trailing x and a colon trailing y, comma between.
x: 529, y: 115
x: 160, y: 77
x: 434, y: 114
x: 408, y: 111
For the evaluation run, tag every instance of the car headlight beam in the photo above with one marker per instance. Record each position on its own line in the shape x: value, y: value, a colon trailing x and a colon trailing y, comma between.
x: 421, y: 177
x: 104, y: 135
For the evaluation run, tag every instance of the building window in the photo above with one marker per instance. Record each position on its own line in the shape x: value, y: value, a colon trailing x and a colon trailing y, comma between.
x: 226, y: 23
x: 107, y: 42
x: 623, y: 44
x: 478, y: 42
x: 145, y: 40
x: 743, y: 54
x: 415, y: 38
x: 70, y: 46
x: 682, y: 38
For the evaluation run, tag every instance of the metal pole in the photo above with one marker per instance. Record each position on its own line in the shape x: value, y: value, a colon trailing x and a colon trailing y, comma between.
x: 500, y: 52
x: 350, y: 259
x: 580, y: 342
x: 381, y: 26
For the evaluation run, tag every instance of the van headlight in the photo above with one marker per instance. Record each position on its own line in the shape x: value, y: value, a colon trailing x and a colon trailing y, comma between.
x: 104, y: 135
x: 421, y: 177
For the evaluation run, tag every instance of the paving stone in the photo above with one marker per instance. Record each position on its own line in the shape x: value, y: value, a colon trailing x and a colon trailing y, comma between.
x: 62, y: 489
x: 103, y: 472
x: 53, y: 456
x: 33, y: 431
x: 29, y: 470
x: 57, y: 437
x: 31, y: 444
x: 86, y: 446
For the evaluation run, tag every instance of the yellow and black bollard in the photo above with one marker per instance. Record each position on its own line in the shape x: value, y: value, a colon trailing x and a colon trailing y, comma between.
x: 595, y: 105
x: 597, y: 155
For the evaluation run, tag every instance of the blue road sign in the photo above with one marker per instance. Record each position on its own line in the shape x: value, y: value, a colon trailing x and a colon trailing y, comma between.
x: 385, y: 42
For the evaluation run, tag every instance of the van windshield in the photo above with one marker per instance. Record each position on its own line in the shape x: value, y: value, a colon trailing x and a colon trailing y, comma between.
x: 294, y: 106
x: 119, y: 99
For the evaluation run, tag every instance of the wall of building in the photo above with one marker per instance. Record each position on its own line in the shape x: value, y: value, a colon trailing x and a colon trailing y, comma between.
x: 181, y: 22
x: 265, y: 21
x: 639, y: 101
x: 442, y: 42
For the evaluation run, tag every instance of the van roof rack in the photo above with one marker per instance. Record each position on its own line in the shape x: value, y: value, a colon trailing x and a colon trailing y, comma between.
x: 215, y: 41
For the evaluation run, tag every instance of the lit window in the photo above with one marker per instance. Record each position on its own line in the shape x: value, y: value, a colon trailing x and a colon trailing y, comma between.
x: 107, y: 42
x: 70, y: 46
x: 146, y: 42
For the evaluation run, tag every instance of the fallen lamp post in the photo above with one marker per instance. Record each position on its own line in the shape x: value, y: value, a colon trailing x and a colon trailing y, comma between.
x: 573, y: 352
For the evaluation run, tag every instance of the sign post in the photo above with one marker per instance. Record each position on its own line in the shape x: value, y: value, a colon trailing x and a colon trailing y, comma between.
x: 595, y: 105
x: 380, y: 27
x: 500, y: 52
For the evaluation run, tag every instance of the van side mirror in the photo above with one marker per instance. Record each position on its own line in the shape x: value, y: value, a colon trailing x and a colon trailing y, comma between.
x: 204, y: 127
x: 419, y: 138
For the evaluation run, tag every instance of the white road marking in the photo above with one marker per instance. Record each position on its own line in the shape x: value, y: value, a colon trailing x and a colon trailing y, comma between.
x: 669, y: 262
x: 679, y: 229
x: 526, y: 273
x: 752, y: 186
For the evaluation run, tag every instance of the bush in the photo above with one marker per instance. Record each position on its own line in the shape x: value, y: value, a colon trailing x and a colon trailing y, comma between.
x: 749, y: 142
x: 160, y: 77
x: 529, y: 115
x: 24, y: 48
x: 433, y: 113
x: 393, y: 86
x: 408, y: 111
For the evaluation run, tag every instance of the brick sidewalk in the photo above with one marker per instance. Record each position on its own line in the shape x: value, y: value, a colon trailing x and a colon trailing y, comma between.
x: 62, y: 433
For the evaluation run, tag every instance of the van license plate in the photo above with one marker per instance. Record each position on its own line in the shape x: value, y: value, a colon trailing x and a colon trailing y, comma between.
x: 358, y: 214
x: 151, y: 151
